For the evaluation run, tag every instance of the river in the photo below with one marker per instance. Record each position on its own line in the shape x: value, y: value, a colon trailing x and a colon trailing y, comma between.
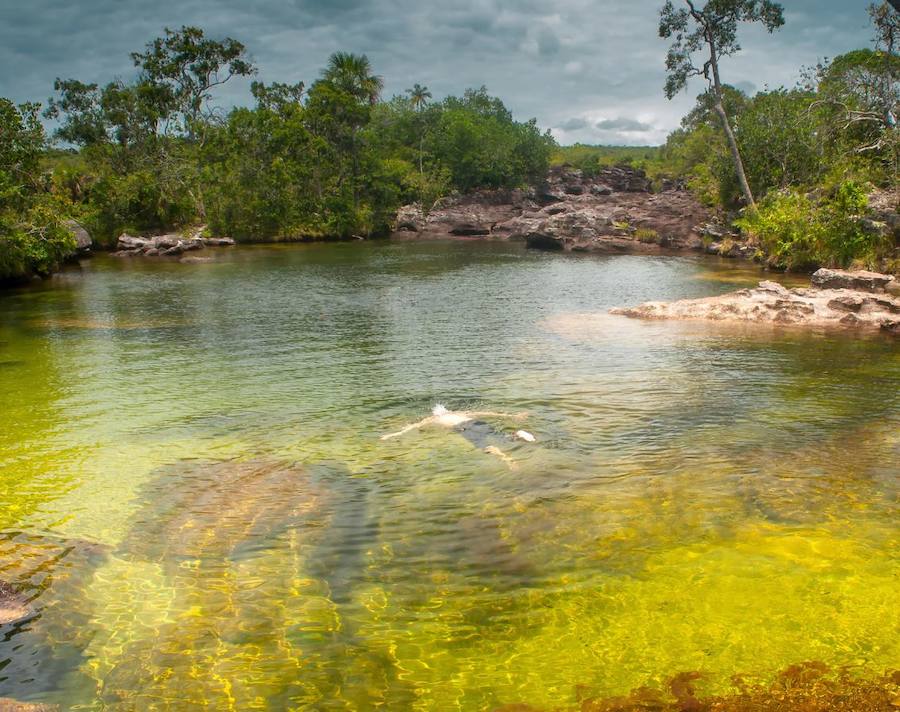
x: 196, y: 501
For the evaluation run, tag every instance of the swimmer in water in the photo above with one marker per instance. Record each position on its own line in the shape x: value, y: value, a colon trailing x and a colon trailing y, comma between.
x: 468, y: 424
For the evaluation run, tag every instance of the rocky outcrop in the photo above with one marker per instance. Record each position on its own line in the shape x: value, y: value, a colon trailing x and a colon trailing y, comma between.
x: 835, y: 299
x: 613, y: 211
x: 169, y: 245
x: 472, y: 215
x: 614, y: 222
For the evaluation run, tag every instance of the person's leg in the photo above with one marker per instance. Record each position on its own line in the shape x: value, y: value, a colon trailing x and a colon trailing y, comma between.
x: 483, y: 436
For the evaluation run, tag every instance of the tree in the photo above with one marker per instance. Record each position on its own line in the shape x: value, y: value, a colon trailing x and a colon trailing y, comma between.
x: 353, y: 73
x: 33, y: 235
x: 277, y: 96
x: 184, y: 66
x: 859, y: 96
x: 714, y: 27
x: 418, y: 97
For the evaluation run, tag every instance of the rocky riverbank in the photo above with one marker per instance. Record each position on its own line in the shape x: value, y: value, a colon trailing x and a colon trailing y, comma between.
x: 613, y: 211
x: 835, y: 299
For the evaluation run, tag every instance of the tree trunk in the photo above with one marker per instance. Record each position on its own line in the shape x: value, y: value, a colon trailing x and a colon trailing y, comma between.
x: 726, y: 125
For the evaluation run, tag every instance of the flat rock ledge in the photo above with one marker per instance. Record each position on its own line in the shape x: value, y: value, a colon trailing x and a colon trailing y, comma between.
x: 169, y: 245
x: 837, y: 298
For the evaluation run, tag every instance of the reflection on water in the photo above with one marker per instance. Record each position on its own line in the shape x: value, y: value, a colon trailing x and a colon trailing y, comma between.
x: 197, y: 505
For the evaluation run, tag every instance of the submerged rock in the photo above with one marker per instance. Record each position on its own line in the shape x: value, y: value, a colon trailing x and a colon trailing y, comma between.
x: 48, y: 579
x: 770, y: 303
x: 196, y: 510
x: 12, y: 607
x: 8, y: 705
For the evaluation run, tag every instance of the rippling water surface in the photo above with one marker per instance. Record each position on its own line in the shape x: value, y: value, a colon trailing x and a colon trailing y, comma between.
x: 196, y: 503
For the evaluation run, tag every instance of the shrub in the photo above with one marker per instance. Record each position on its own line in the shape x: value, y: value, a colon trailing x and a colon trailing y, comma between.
x: 643, y: 234
x: 35, y: 242
x: 797, y: 231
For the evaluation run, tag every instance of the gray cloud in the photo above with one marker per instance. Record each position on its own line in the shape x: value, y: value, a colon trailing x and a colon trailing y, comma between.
x: 623, y: 123
x: 548, y: 43
x: 571, y: 58
x: 574, y: 124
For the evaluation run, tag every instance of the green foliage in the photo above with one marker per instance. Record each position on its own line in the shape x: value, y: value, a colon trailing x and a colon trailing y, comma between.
x: 33, y: 236
x: 592, y: 159
x: 777, y: 133
x: 647, y: 235
x: 179, y: 70
x: 808, y: 152
x: 713, y: 26
x: 36, y: 240
x: 475, y: 138
x: 799, y: 231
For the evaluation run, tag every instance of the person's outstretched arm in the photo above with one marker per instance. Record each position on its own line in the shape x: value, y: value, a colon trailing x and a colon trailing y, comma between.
x: 492, y: 414
x: 405, y: 430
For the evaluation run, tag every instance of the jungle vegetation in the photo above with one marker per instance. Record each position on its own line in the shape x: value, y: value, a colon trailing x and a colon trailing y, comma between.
x: 791, y: 168
x: 330, y: 159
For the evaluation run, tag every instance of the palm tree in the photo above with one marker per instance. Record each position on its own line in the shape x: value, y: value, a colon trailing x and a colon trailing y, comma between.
x: 353, y: 73
x: 418, y: 97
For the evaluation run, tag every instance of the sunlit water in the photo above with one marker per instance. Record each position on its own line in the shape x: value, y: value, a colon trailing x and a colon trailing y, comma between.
x: 194, y: 495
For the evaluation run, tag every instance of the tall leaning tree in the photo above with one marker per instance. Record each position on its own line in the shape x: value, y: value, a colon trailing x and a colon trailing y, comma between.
x: 713, y: 29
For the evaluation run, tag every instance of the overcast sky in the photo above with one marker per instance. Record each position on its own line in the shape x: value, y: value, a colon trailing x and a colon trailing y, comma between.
x: 590, y: 70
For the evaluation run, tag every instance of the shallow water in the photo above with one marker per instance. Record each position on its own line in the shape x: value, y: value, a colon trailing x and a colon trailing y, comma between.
x: 195, y: 499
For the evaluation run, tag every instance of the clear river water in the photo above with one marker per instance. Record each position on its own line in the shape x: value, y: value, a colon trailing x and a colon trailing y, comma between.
x: 197, y: 505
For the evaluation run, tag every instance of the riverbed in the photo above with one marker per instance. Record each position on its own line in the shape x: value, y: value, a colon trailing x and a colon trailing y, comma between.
x: 195, y: 499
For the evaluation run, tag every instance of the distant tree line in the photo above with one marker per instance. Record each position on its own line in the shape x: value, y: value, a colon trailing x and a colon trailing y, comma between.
x: 791, y: 167
x: 327, y: 160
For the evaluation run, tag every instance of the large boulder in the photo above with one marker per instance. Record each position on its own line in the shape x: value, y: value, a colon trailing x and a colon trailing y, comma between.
x: 83, y: 241
x: 625, y: 180
x: 610, y: 211
x: 859, y: 280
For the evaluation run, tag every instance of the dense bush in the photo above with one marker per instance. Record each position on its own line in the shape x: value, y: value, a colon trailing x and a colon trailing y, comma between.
x: 802, y: 231
x: 34, y: 238
x: 592, y: 159
x: 330, y: 161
